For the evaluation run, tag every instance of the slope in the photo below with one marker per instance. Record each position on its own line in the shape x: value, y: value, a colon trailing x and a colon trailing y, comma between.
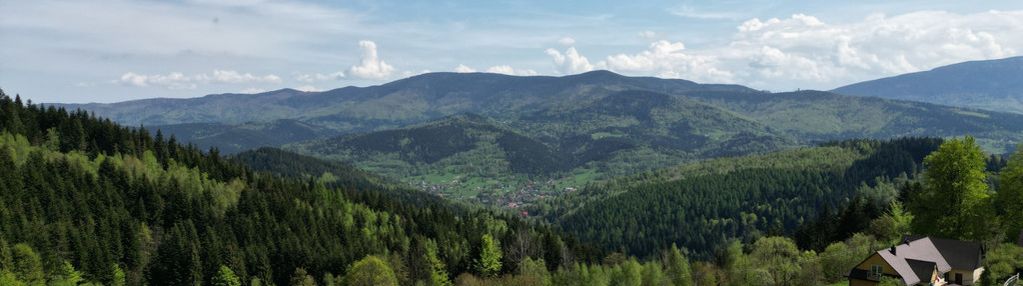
x: 87, y: 197
x: 991, y: 84
x: 816, y: 116
x: 230, y: 139
x: 623, y: 133
x: 702, y: 205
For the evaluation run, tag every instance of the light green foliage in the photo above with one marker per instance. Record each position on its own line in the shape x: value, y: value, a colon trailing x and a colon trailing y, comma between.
x: 66, y: 276
x: 679, y: 271
x: 226, y: 277
x: 8, y: 278
x: 778, y: 258
x: 438, y: 271
x: 653, y: 275
x: 371, y: 271
x: 490, y: 256
x: 535, y: 271
x: 628, y: 273
x: 118, y: 276
x: 28, y: 266
x: 1009, y: 200
x: 836, y: 260
x: 738, y: 267
x: 954, y: 202
x: 893, y: 225
x: 1002, y: 260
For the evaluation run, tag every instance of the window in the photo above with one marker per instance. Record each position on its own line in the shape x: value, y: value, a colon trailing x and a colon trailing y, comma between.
x: 876, y: 271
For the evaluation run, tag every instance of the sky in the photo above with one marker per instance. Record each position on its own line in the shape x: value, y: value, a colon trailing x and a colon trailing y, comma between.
x: 110, y: 51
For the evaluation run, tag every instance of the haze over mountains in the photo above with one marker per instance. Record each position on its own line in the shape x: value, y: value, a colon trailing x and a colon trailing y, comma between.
x: 991, y: 84
x: 467, y: 134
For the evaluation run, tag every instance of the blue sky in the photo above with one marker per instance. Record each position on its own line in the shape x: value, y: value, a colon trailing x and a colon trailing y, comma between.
x: 107, y: 51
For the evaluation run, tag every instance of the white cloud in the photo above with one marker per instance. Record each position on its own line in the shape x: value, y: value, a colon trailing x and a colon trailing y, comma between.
x: 177, y: 80
x: 371, y: 66
x: 318, y: 77
x: 649, y: 35
x: 571, y: 62
x: 806, y: 49
x: 566, y: 41
x: 461, y: 68
x: 508, y: 70
x: 667, y: 59
x: 230, y: 76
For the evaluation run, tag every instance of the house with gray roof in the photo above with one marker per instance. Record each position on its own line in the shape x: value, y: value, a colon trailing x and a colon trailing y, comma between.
x: 923, y: 261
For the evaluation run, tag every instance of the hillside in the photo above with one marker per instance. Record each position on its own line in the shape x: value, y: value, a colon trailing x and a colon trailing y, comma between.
x: 991, y: 84
x: 816, y: 116
x: 626, y: 132
x: 699, y: 206
x: 86, y: 200
x: 230, y: 139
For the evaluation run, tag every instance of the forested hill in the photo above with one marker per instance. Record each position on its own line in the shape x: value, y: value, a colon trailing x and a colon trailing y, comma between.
x: 991, y: 84
x: 84, y: 199
x: 703, y: 205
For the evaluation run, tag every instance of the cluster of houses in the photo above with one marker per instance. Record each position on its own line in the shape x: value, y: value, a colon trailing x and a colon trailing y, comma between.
x: 923, y: 261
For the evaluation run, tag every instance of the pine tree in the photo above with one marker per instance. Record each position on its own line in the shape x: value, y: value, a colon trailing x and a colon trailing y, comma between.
x: 226, y: 277
x: 679, y: 271
x: 489, y: 263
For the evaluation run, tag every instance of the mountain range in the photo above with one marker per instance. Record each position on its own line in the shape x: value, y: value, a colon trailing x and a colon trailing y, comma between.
x: 511, y: 139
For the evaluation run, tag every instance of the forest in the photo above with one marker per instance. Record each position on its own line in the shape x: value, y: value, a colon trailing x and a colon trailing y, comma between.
x: 86, y: 201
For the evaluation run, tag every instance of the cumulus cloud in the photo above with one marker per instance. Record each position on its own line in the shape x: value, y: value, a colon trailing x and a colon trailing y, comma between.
x: 570, y: 62
x: 461, y: 68
x: 508, y: 70
x: 669, y: 59
x: 177, y: 80
x: 318, y: 77
x: 371, y: 66
x: 807, y: 49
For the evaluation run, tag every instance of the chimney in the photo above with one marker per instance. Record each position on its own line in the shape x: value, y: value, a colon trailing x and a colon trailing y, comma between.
x: 892, y: 250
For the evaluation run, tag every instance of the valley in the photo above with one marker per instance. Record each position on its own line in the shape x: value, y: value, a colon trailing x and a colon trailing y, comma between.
x: 511, y: 141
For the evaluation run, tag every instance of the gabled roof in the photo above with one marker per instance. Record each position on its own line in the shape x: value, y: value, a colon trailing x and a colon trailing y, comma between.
x: 922, y: 269
x: 960, y: 254
x: 923, y: 250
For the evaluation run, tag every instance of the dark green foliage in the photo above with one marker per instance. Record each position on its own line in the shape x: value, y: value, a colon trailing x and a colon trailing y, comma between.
x: 703, y: 210
x: 230, y: 139
x: 172, y: 215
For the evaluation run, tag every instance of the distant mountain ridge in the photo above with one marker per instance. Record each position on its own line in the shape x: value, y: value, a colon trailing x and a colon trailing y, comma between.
x: 471, y: 134
x: 426, y: 96
x: 990, y: 84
